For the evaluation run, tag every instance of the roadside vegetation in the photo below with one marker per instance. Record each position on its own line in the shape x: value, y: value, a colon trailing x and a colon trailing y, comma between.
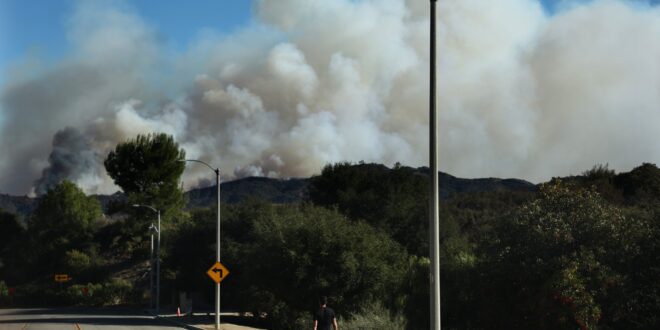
x: 579, y: 252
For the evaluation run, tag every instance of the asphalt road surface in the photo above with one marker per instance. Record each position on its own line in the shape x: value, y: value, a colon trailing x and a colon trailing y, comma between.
x: 79, y: 319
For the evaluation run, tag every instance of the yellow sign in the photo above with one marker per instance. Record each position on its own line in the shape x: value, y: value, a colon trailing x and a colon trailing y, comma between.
x: 62, y: 278
x: 217, y: 272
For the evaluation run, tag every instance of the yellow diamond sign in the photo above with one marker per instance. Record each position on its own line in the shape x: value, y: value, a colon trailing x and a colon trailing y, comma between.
x: 217, y: 272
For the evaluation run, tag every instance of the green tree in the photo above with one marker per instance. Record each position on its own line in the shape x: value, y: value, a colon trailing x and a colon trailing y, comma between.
x: 317, y: 252
x: 394, y: 200
x: 282, y: 258
x: 63, y: 220
x: 557, y: 261
x: 147, y: 169
x: 642, y: 184
x: 12, y: 234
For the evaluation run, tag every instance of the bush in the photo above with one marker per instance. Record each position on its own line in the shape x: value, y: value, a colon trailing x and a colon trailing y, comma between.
x: 117, y: 291
x: 114, y: 292
x: 4, y: 293
x: 559, y: 260
x: 374, y: 316
x: 77, y: 262
x: 82, y: 294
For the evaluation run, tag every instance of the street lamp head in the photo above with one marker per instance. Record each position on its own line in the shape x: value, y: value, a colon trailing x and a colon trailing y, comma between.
x: 147, y: 206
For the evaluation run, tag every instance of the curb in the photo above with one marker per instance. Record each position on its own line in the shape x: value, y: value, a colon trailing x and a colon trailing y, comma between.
x: 169, y: 320
x: 183, y: 325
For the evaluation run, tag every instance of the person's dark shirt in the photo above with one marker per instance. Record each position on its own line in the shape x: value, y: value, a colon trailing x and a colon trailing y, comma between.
x: 324, y: 316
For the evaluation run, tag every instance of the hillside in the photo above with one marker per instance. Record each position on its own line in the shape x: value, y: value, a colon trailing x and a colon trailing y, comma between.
x: 284, y: 191
x: 499, y: 237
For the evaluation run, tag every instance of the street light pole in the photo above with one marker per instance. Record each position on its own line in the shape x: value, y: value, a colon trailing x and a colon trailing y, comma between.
x: 217, y: 287
x: 158, y: 268
x: 151, y: 268
x: 157, y: 256
x: 434, y: 215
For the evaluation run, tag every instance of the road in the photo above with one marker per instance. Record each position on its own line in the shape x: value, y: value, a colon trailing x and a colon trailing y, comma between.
x: 79, y: 319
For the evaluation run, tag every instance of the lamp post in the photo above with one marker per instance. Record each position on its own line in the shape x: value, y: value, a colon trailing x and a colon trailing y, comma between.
x: 157, y: 255
x: 434, y: 217
x: 217, y: 288
x: 152, y: 229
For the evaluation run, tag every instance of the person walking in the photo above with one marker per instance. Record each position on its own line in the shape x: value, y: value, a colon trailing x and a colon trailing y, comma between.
x: 324, y: 318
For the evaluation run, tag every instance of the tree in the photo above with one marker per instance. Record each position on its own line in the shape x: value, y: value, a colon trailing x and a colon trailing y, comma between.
x: 12, y: 235
x: 642, y: 184
x: 282, y: 258
x: 557, y: 262
x: 394, y: 200
x: 147, y: 169
x: 318, y: 252
x: 62, y: 221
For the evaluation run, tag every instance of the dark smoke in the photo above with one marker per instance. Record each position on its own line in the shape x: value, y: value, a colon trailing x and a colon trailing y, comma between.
x: 72, y: 158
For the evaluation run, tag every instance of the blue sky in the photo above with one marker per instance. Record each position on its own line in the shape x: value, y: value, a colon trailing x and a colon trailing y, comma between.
x: 39, y: 27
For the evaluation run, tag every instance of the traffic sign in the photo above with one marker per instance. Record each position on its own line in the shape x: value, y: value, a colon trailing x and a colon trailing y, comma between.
x: 217, y: 272
x: 62, y: 278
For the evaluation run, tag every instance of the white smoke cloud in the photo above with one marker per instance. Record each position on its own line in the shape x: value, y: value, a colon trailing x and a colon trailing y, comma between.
x: 521, y: 94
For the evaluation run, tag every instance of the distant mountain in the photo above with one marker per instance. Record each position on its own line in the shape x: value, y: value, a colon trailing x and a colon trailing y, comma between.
x: 450, y: 185
x: 280, y: 191
x: 295, y: 190
x: 283, y: 191
x: 21, y: 205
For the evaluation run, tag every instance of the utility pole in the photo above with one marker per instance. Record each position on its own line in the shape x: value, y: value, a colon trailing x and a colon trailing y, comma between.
x: 217, y: 285
x: 217, y: 288
x: 157, y: 254
x: 158, y: 268
x: 151, y: 268
x: 434, y: 215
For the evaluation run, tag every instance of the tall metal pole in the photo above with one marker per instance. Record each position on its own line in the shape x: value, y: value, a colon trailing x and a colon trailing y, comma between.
x: 217, y: 290
x: 158, y: 269
x: 434, y: 212
x: 157, y: 256
x: 151, y: 270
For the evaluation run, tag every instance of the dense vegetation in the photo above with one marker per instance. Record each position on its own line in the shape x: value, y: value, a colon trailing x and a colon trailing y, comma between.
x: 577, y: 252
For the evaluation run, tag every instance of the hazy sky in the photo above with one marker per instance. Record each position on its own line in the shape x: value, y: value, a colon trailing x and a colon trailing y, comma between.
x: 527, y: 89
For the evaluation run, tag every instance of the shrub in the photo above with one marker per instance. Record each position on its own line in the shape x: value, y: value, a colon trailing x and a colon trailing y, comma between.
x: 374, y: 316
x: 4, y: 293
x: 82, y: 294
x: 77, y: 262
x: 114, y: 292
x: 559, y: 260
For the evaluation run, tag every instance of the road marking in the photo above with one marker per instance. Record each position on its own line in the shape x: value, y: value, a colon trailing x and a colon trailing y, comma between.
x: 78, y: 327
x: 24, y: 326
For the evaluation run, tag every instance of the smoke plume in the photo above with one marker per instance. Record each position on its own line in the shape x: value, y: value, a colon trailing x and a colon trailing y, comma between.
x: 72, y: 158
x: 522, y: 93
